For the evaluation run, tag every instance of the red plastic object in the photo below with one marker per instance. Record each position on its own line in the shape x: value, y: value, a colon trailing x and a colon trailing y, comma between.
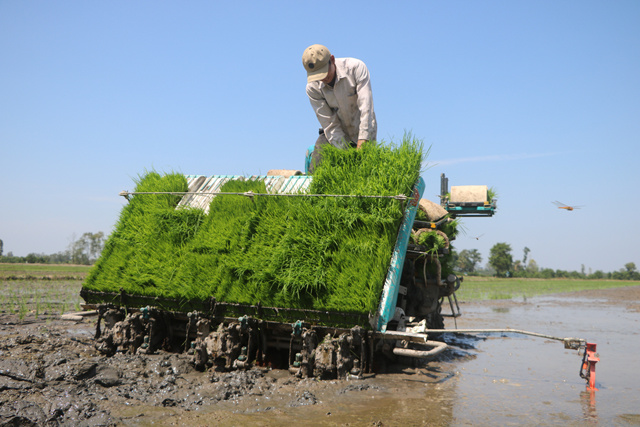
x: 588, y: 370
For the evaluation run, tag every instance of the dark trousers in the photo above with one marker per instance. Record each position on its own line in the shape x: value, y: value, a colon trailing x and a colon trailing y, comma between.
x: 316, y: 156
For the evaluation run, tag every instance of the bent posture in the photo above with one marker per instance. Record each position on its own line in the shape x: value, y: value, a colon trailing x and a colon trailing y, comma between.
x: 339, y: 90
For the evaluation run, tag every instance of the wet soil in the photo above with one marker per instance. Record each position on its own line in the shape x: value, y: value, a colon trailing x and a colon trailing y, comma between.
x: 51, y: 374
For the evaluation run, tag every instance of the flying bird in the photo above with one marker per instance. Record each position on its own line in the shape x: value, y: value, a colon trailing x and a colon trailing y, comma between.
x: 478, y: 237
x: 564, y: 206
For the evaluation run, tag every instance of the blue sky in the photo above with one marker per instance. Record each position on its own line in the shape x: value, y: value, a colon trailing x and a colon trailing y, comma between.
x: 538, y: 99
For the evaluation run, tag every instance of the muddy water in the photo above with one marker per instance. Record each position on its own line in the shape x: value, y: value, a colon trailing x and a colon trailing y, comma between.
x: 504, y: 379
x: 525, y: 380
x: 50, y: 373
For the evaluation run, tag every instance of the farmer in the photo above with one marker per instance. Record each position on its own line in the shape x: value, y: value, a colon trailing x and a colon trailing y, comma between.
x: 340, y: 94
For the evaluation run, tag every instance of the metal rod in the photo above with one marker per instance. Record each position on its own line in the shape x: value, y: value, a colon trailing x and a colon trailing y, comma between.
x: 567, y: 341
x: 505, y: 330
x: 126, y: 194
x: 453, y: 312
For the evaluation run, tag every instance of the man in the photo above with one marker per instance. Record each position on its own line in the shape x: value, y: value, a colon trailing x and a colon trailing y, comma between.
x: 339, y: 90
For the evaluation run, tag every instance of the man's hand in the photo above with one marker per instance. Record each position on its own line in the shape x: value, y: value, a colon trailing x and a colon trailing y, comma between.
x: 360, y: 142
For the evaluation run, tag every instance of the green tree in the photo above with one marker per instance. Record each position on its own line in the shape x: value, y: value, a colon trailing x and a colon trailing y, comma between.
x: 1, y: 245
x: 526, y: 251
x: 628, y: 273
x: 87, y: 248
x: 96, y: 245
x: 468, y: 259
x: 453, y: 256
x: 518, y: 265
x: 547, y: 273
x: 500, y: 259
x: 34, y: 258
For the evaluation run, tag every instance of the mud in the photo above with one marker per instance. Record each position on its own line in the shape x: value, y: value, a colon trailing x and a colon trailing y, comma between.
x: 51, y: 374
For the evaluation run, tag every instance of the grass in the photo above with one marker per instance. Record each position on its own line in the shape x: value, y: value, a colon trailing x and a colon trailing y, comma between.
x: 14, y: 271
x: 481, y: 288
x: 39, y: 298
x: 40, y: 290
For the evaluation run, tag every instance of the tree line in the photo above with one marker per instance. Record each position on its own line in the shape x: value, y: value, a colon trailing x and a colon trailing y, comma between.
x: 84, y: 250
x: 502, y: 264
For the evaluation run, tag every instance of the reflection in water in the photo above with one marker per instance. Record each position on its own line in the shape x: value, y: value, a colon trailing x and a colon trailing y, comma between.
x: 588, y: 400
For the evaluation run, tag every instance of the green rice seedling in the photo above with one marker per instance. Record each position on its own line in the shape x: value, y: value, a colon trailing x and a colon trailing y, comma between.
x: 491, y: 194
x: 432, y: 240
x: 321, y: 253
x: 15, y: 303
x: 140, y: 251
x: 499, y: 296
x: 23, y: 310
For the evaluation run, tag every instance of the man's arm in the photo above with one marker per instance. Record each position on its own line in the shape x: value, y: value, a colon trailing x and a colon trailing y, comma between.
x: 365, y: 103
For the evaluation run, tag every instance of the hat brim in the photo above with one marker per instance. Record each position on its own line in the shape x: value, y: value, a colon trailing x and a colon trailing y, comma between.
x: 319, y: 74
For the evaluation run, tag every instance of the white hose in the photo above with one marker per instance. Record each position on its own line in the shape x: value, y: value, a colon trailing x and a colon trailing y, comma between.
x: 438, y: 347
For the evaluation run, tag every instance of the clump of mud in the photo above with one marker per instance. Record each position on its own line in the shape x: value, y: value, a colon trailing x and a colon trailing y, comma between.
x: 50, y: 378
x: 51, y: 374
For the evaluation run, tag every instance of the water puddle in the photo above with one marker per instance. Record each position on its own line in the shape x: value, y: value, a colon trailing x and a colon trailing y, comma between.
x: 527, y: 380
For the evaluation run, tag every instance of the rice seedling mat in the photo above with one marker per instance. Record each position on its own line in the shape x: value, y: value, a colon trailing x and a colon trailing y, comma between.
x: 201, y: 239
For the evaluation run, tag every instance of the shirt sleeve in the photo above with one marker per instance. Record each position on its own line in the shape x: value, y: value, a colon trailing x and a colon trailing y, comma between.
x: 365, y: 102
x: 328, y: 118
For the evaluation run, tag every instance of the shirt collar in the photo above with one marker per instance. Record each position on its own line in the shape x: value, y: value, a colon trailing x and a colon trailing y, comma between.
x: 339, y: 75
